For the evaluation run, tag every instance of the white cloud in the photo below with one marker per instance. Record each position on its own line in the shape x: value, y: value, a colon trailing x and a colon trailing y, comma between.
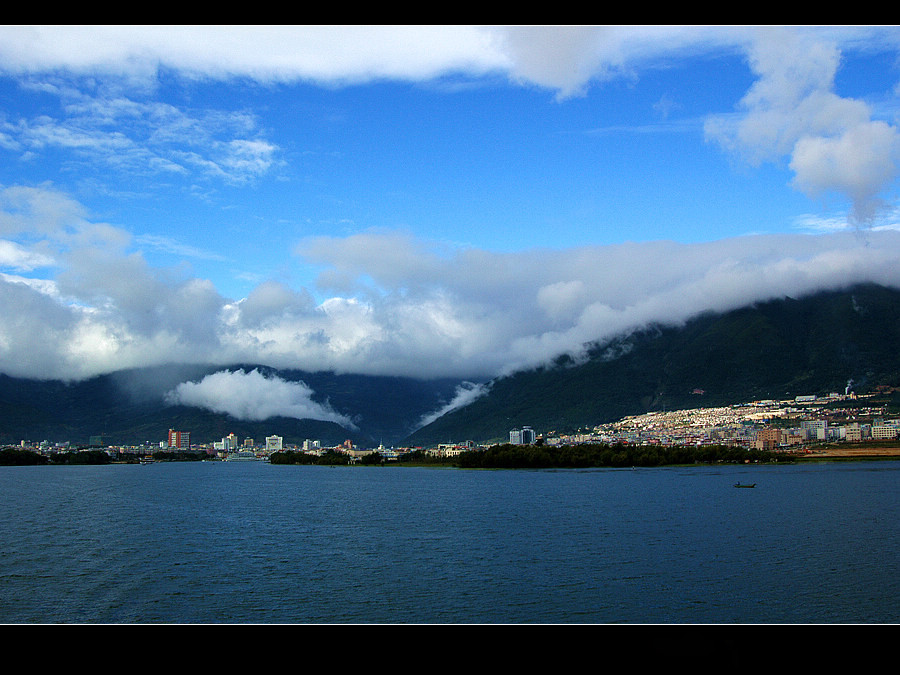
x: 38, y: 210
x: 136, y: 135
x: 562, y: 58
x: 466, y: 393
x: 503, y: 311
x: 18, y: 258
x: 170, y: 245
x: 267, y: 53
x: 472, y: 314
x: 833, y: 143
x: 254, y: 397
x: 859, y: 163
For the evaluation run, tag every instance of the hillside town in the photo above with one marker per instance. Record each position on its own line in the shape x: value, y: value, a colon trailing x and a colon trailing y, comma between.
x: 762, y: 425
x: 795, y: 425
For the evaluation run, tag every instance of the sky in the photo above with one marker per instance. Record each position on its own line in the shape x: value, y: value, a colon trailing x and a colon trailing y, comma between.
x: 426, y: 201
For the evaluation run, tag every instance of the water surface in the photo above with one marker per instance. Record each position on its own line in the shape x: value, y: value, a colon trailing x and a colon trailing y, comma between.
x: 249, y: 542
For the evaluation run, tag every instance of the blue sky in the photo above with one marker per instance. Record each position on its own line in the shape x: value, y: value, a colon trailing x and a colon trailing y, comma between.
x: 427, y: 201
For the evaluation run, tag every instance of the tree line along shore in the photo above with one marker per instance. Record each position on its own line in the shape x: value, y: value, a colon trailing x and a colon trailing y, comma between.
x: 509, y: 456
x: 599, y: 455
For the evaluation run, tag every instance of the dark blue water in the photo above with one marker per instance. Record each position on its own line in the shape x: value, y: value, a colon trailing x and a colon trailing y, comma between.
x: 258, y: 543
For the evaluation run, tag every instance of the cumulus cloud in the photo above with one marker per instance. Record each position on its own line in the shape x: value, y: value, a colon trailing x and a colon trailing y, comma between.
x: 568, y: 59
x: 833, y: 143
x: 254, y: 397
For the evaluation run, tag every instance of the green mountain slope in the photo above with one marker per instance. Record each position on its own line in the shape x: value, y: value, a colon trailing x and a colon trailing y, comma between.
x: 777, y: 349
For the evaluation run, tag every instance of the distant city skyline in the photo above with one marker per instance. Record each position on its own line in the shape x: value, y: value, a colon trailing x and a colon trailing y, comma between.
x: 430, y: 201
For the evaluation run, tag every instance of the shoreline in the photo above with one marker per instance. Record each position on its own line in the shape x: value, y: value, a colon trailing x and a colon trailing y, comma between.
x: 850, y: 453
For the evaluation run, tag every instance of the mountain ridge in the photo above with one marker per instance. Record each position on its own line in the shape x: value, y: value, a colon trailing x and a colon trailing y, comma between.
x: 774, y: 349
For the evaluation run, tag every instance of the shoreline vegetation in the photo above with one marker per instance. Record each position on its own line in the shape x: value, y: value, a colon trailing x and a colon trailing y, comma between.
x: 11, y: 456
x: 508, y: 456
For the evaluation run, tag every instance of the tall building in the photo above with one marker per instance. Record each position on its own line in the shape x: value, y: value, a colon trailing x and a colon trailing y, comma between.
x: 180, y: 439
x: 273, y: 443
x: 528, y: 436
x: 523, y: 436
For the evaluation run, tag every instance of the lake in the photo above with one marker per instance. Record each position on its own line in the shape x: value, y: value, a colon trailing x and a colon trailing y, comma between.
x: 250, y: 542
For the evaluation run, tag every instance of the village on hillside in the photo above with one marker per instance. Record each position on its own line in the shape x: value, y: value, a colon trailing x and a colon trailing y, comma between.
x: 761, y: 425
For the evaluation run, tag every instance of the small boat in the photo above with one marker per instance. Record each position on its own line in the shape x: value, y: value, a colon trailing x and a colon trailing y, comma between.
x: 745, y: 485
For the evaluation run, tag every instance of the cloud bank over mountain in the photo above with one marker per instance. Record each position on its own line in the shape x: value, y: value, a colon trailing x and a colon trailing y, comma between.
x: 398, y: 305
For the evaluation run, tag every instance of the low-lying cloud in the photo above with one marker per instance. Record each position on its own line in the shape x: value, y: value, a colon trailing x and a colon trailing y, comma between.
x: 466, y: 393
x: 254, y: 397
x: 414, y: 311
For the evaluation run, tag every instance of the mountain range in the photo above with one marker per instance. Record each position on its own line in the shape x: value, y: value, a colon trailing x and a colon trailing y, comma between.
x: 786, y: 347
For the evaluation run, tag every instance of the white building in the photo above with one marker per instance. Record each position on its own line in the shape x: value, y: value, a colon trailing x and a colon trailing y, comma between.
x: 228, y: 444
x: 884, y: 432
x: 273, y: 443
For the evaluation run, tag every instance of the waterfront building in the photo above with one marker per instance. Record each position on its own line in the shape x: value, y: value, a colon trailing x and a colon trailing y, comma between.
x: 179, y: 439
x: 884, y: 432
x: 768, y: 439
x: 274, y: 443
